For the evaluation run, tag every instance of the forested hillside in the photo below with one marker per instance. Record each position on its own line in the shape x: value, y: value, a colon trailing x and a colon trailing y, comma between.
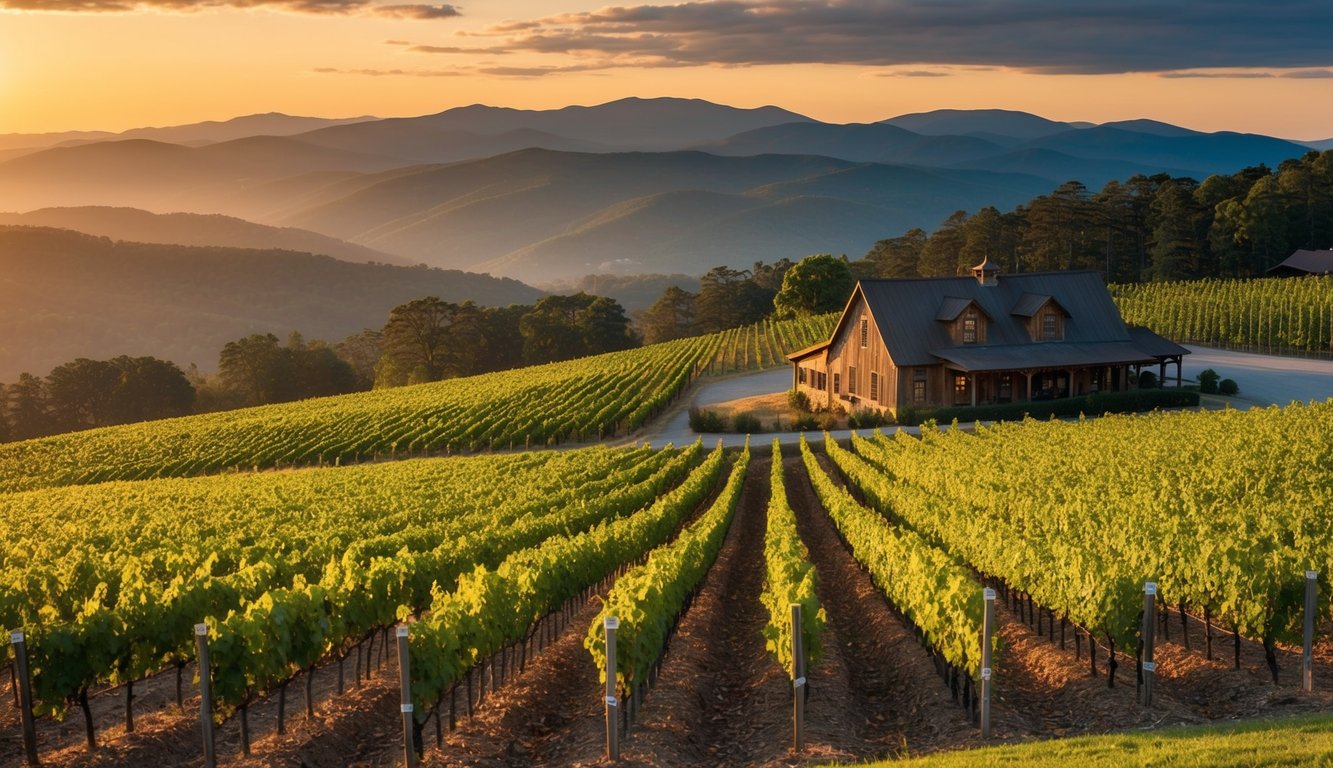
x: 65, y: 295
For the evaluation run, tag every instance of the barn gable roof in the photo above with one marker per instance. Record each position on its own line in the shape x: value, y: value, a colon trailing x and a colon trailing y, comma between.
x: 906, y: 312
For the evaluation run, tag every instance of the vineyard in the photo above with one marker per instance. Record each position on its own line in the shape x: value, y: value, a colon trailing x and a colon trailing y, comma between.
x: 1271, y: 315
x: 502, y: 570
x: 580, y: 400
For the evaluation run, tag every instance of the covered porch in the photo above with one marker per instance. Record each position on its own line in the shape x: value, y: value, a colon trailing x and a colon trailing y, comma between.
x: 973, y: 388
x: 1022, y: 373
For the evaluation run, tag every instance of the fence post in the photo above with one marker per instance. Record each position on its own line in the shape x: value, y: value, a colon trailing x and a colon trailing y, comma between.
x: 798, y: 678
x: 987, y: 629
x: 405, y: 706
x: 205, y: 694
x: 612, y: 714
x: 1307, y: 656
x: 1149, y: 627
x: 25, y: 696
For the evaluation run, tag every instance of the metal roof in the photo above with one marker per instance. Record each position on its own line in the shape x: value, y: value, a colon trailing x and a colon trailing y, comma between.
x: 1153, y: 344
x: 1051, y: 354
x: 906, y: 310
x: 810, y: 350
x: 951, y: 308
x: 1029, y: 304
x: 1311, y: 262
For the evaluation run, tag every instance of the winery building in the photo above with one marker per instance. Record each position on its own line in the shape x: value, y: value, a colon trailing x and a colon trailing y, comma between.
x: 988, y: 338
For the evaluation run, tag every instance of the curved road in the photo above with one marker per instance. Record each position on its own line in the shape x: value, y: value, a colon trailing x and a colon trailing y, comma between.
x: 1263, y: 379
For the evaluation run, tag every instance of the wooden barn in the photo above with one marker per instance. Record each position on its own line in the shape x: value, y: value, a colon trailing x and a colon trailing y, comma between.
x: 988, y: 338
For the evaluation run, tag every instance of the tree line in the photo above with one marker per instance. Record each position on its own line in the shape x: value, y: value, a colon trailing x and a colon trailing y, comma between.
x: 1148, y: 228
x: 423, y: 340
x: 729, y: 298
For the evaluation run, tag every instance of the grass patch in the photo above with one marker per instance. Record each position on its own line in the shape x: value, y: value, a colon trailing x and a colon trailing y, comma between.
x: 1305, y: 740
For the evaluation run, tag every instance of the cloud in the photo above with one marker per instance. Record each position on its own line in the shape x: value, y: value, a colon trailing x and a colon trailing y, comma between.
x: 324, y: 7
x: 392, y: 72
x: 913, y: 73
x: 1309, y: 74
x: 457, y: 49
x: 1047, y: 36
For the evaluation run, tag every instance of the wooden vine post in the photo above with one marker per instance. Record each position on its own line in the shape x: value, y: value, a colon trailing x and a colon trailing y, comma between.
x: 1149, y: 625
x: 17, y: 640
x: 205, y: 694
x: 612, y: 714
x: 405, y: 705
x: 1307, y: 655
x: 798, y: 678
x: 987, y: 629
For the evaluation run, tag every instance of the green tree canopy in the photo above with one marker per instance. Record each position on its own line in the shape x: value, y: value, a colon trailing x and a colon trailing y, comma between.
x: 817, y: 284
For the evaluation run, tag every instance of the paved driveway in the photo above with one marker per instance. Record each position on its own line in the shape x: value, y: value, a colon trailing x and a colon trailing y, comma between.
x: 1264, y: 379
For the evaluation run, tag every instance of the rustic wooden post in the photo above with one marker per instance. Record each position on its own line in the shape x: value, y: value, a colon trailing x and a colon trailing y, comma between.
x: 987, y: 629
x: 205, y: 694
x: 1149, y: 625
x: 405, y: 706
x: 798, y: 678
x: 25, y: 696
x: 1307, y: 656
x: 612, y: 716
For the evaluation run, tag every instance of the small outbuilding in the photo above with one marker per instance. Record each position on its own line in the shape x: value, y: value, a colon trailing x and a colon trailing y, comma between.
x: 1303, y: 263
x: 988, y: 338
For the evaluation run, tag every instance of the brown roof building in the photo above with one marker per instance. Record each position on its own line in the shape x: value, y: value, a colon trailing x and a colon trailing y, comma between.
x: 988, y: 338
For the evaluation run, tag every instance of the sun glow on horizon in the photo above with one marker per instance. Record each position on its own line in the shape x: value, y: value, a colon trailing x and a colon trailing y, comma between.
x: 114, y: 71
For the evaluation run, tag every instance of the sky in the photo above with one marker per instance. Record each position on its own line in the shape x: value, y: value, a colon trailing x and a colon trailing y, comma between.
x: 1209, y: 65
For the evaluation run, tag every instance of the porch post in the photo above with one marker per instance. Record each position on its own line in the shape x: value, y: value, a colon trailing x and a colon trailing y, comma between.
x: 972, y: 385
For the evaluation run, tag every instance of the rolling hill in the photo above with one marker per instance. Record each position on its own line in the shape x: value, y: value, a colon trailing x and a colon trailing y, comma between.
x: 552, y: 215
x: 65, y: 294
x: 141, y: 226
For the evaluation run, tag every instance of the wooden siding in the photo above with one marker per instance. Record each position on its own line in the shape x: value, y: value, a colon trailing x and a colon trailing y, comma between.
x: 848, y: 357
x: 956, y: 327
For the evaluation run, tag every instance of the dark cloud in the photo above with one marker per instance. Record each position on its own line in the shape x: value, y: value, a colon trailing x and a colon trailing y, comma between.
x: 1051, y: 36
x: 328, y: 7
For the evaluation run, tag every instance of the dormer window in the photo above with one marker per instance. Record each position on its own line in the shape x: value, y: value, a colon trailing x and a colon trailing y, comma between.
x: 1050, y: 326
x: 970, y: 327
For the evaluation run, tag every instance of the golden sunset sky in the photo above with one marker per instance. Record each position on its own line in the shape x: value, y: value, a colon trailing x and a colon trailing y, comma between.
x: 119, y: 64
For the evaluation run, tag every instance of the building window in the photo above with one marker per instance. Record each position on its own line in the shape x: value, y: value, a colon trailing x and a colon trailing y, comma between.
x: 800, y: 374
x: 970, y: 327
x: 1048, y: 327
x: 919, y: 386
x: 851, y: 380
x: 960, y: 389
x: 874, y: 386
x: 836, y: 381
x: 865, y: 332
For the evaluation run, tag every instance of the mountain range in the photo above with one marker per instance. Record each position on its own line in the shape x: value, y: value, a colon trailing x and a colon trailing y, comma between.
x: 636, y: 185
